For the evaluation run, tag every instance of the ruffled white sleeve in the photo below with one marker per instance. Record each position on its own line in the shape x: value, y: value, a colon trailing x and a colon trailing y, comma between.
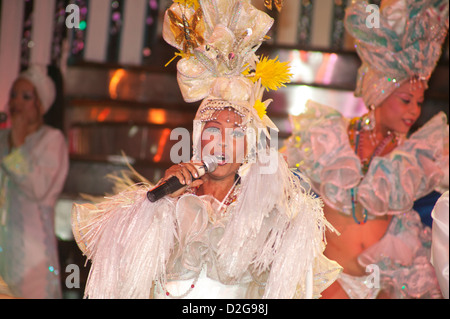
x: 320, y: 149
x: 411, y: 171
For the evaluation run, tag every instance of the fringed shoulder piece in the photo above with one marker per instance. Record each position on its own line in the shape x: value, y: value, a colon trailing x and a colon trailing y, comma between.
x: 125, y: 260
x: 278, y: 227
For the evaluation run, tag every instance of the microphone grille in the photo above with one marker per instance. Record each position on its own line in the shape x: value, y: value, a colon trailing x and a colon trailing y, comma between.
x: 210, y: 163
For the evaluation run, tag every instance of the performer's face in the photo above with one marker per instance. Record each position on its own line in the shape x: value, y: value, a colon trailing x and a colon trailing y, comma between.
x: 24, y: 103
x: 226, y: 140
x: 402, y: 108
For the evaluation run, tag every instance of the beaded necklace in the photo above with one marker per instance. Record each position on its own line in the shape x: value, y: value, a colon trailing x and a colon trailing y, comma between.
x: 187, y: 292
x: 355, y: 130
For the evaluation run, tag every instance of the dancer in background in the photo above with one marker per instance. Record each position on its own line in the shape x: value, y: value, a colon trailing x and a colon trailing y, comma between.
x: 250, y: 228
x: 368, y: 170
x: 33, y: 168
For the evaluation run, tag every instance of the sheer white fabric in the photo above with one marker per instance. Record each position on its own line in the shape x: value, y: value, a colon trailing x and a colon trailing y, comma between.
x: 263, y: 245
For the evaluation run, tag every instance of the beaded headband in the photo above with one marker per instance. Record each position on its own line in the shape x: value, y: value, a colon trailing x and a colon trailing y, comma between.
x: 211, y: 109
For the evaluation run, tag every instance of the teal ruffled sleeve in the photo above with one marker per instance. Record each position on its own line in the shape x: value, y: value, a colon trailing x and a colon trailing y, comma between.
x: 411, y: 171
x: 319, y: 147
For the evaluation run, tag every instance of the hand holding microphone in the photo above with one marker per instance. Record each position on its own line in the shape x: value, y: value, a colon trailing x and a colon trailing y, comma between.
x: 181, y: 176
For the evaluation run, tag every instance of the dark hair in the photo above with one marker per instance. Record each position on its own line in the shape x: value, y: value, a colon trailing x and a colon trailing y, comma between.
x: 55, y: 115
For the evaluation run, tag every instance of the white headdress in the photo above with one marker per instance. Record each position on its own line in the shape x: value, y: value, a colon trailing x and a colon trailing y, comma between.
x: 217, y: 42
x: 44, y: 85
x: 275, y: 224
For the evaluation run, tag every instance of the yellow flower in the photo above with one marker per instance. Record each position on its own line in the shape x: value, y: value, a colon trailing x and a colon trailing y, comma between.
x: 273, y: 73
x: 189, y: 3
x: 260, y: 107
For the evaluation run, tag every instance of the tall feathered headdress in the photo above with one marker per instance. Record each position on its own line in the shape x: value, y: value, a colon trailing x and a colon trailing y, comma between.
x: 217, y: 40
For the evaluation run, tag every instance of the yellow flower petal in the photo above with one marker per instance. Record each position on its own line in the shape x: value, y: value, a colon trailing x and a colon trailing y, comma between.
x: 260, y: 108
x: 273, y: 73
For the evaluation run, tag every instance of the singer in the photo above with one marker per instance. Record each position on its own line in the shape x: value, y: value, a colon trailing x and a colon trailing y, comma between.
x: 213, y: 238
x: 239, y: 231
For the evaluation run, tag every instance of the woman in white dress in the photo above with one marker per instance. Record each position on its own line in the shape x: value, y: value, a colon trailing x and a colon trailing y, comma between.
x: 34, y: 164
x: 248, y: 229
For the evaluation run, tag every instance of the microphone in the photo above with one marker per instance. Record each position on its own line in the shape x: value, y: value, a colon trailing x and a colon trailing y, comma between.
x: 172, y: 184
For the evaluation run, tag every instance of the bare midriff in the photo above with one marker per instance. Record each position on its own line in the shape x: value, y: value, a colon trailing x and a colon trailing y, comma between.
x: 353, y: 240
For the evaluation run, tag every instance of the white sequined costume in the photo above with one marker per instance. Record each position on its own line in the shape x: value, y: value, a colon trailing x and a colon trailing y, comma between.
x: 268, y: 243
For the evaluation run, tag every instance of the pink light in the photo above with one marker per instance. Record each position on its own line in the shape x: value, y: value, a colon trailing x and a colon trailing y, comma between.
x: 329, y: 68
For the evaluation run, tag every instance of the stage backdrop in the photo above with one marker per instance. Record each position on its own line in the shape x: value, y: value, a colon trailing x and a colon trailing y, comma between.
x: 124, y: 32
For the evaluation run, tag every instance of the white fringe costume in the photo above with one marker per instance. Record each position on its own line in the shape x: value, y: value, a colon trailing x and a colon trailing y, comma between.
x: 271, y: 238
x: 268, y: 243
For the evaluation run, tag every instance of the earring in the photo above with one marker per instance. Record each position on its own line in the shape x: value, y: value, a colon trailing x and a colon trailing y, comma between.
x: 369, y: 122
